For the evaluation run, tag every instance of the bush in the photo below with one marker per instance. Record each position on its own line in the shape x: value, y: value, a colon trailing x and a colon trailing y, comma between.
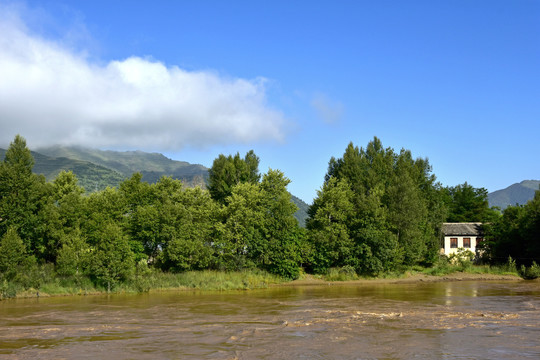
x: 510, y: 265
x: 530, y: 273
x: 463, y: 258
x: 344, y: 273
x: 8, y: 290
x: 441, y: 267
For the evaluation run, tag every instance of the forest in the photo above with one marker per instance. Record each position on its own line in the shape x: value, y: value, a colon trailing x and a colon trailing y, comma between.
x: 377, y: 211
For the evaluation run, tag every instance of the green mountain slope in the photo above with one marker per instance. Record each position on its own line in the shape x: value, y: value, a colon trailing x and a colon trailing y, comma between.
x: 151, y: 165
x: 514, y: 194
x: 91, y: 176
x: 301, y: 214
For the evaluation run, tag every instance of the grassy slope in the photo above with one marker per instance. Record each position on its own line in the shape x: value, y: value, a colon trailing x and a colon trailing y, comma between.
x: 91, y: 176
x: 151, y: 165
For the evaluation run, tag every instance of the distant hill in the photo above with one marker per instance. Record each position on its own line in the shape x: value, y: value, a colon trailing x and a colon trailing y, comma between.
x: 92, y: 177
x: 301, y: 214
x: 152, y: 166
x: 514, y: 194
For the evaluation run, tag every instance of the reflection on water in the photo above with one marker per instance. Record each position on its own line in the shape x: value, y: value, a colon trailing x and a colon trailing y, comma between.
x: 491, y: 320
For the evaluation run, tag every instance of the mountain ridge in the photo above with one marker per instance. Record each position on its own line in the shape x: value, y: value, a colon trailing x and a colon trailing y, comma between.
x: 518, y: 193
x: 152, y: 166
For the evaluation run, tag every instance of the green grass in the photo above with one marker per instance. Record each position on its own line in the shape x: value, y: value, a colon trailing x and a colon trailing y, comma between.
x: 445, y: 269
x: 345, y: 273
x: 441, y: 268
x: 207, y: 280
x: 150, y: 281
x: 204, y: 280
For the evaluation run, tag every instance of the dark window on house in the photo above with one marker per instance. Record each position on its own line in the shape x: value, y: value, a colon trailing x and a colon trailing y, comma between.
x: 479, y: 240
x: 453, y: 242
x: 466, y: 242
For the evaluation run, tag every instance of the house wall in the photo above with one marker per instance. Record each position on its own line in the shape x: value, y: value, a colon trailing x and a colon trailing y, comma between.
x: 447, y: 250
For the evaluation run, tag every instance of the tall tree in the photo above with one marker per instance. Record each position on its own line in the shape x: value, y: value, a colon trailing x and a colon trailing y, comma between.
x: 516, y: 234
x: 329, y: 222
x: 392, y: 195
x: 228, y: 171
x: 12, y: 254
x: 407, y: 209
x: 469, y: 204
x: 242, y: 237
x: 111, y: 259
x: 283, y: 254
x: 23, y: 195
x: 63, y: 212
x: 194, y: 219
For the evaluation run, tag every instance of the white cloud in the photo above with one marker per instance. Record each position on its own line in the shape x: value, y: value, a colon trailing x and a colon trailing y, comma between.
x: 329, y: 111
x: 52, y: 95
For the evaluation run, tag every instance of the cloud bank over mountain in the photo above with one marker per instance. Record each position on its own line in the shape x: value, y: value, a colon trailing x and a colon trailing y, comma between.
x: 52, y: 94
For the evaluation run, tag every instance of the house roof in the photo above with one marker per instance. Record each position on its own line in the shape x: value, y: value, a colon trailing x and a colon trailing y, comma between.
x: 460, y: 229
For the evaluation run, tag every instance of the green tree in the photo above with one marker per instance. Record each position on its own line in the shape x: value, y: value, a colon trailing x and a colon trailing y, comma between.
x: 469, y: 204
x: 376, y: 248
x: 64, y: 211
x: 73, y: 255
x: 516, y: 234
x: 190, y: 247
x: 242, y: 234
x: 23, y: 195
x: 12, y: 254
x: 228, y: 171
x: 329, y: 223
x: 104, y: 207
x: 407, y: 209
x: 156, y: 224
x: 66, y: 183
x: 140, y: 214
x: 283, y: 253
x: 136, y: 192
x: 396, y: 201
x: 111, y: 258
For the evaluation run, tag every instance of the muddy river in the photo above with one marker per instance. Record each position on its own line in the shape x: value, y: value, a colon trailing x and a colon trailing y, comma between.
x: 445, y: 320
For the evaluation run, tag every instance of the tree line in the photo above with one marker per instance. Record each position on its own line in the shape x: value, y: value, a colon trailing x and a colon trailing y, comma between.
x: 378, y: 210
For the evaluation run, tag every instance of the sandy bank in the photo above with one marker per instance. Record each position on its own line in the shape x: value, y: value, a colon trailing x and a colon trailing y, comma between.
x: 415, y: 278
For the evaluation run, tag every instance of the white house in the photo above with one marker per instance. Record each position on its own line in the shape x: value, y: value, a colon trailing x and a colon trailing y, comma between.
x: 461, y: 235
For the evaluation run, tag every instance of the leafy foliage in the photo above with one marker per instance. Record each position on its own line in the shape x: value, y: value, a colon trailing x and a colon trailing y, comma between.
x: 12, y: 254
x: 228, y: 171
x: 111, y: 259
x: 516, y: 233
x: 530, y: 273
x: 23, y: 197
x: 377, y: 210
x: 469, y: 204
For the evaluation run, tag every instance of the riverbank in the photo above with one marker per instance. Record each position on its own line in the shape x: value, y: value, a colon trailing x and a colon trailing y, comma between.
x: 221, y: 281
x: 310, y: 280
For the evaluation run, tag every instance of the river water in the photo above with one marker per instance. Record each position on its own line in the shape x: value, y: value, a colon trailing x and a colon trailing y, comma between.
x: 443, y: 320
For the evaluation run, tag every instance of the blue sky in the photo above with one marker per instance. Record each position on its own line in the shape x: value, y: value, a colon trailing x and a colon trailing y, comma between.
x: 455, y: 81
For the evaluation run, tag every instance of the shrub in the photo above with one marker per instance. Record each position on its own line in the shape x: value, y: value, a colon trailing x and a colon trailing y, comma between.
x: 510, y: 265
x: 344, y: 273
x: 530, y: 273
x: 463, y: 258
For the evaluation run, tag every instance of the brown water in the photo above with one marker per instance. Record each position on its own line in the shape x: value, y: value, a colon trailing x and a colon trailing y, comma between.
x: 452, y: 320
